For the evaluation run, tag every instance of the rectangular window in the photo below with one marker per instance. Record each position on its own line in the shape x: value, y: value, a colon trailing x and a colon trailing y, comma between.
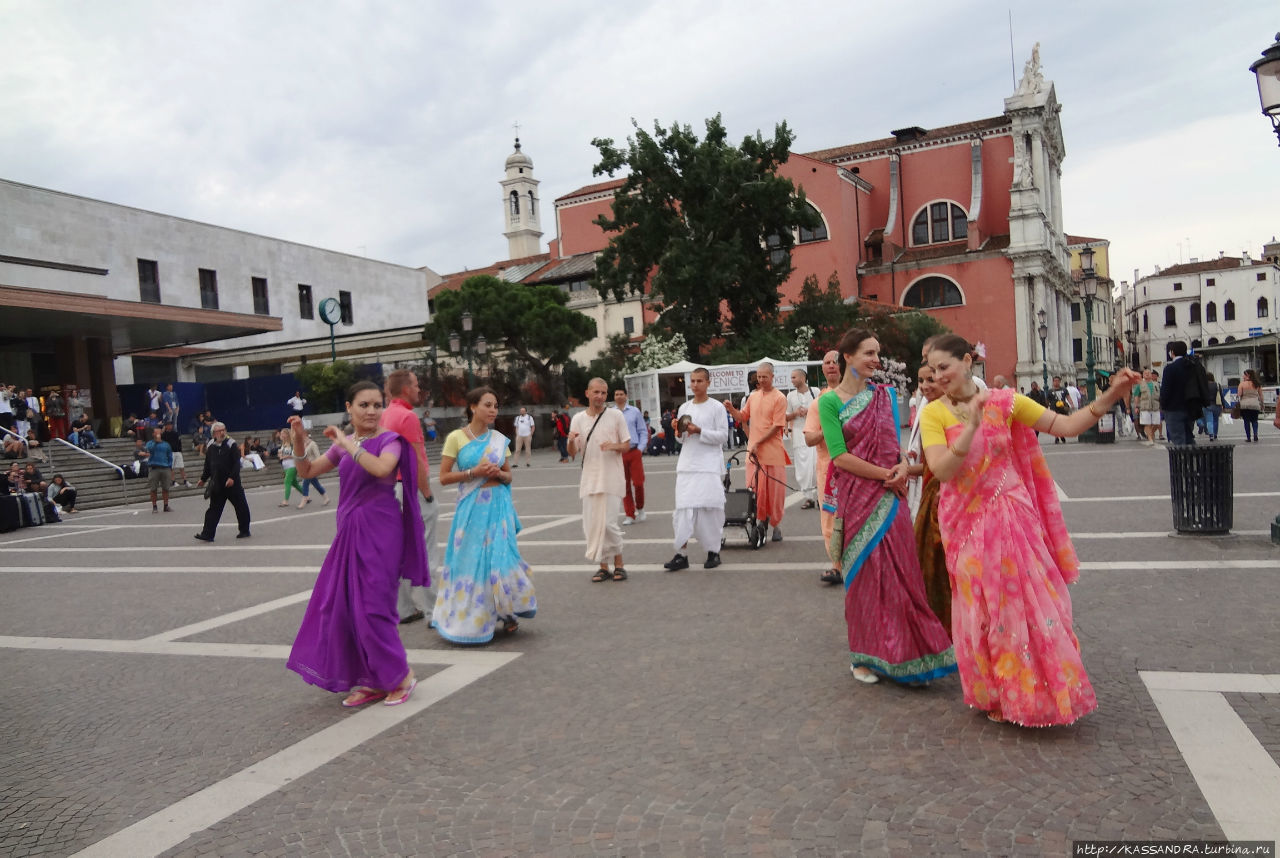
x: 1210, y: 281
x: 938, y: 214
x: 208, y: 289
x: 344, y: 303
x: 1177, y: 287
x: 1075, y: 312
x: 305, y: 308
x: 628, y: 325
x: 1077, y: 350
x: 1262, y: 277
x: 148, y: 281
x: 261, y: 301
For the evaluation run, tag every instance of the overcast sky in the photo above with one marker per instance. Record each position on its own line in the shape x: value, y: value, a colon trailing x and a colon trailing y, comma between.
x: 381, y: 128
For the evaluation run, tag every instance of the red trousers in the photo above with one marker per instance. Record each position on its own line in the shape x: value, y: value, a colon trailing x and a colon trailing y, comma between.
x: 633, y: 470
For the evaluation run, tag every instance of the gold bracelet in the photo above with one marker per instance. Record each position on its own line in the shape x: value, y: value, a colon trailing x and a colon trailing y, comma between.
x: 1095, y: 413
x: 957, y: 453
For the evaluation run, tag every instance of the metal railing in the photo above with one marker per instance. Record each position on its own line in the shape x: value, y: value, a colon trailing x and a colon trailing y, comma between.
x: 124, y: 489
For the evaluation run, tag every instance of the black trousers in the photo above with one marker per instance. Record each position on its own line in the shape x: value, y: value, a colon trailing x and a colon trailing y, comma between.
x: 217, y: 501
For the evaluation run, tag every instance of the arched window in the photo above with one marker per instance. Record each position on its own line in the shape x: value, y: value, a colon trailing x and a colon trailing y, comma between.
x: 939, y: 222
x: 1170, y: 317
x: 1195, y: 344
x: 819, y: 232
x: 1193, y: 314
x: 930, y: 292
x: 532, y: 204
x: 1211, y: 312
x: 1213, y: 341
x: 1262, y: 308
x: 515, y: 205
x: 1229, y: 311
x: 1231, y: 339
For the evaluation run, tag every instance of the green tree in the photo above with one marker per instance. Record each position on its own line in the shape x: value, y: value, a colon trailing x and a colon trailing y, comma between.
x: 705, y: 225
x: 531, y: 322
x: 325, y: 384
x: 825, y: 312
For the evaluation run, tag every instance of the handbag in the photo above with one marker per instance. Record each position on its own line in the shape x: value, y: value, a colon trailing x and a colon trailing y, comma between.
x: 1235, y: 412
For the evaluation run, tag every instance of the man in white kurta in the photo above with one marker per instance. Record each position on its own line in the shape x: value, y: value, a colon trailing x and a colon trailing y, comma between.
x: 600, y: 435
x: 799, y: 401
x: 699, y: 508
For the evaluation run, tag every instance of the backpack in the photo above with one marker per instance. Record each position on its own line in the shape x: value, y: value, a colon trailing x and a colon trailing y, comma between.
x: 1197, y: 394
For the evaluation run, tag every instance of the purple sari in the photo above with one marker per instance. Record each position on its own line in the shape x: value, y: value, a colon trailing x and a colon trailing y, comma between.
x: 349, y: 635
x: 892, y: 631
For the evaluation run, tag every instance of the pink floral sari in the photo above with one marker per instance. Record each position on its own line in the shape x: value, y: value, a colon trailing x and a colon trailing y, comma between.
x: 1010, y: 561
x: 892, y: 631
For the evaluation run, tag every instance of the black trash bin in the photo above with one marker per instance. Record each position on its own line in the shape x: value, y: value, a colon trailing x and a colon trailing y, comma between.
x: 1201, y: 485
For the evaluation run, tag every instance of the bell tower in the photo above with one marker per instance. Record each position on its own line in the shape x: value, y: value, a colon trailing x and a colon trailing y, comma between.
x: 520, y: 206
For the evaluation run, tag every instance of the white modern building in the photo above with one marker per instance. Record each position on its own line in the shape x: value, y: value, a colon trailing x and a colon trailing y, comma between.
x: 96, y: 294
x: 1203, y: 303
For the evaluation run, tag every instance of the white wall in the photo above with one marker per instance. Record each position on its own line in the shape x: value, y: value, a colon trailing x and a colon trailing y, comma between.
x: 48, y: 225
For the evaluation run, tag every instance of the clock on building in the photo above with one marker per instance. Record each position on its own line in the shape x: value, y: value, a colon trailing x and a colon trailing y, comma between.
x: 331, y: 311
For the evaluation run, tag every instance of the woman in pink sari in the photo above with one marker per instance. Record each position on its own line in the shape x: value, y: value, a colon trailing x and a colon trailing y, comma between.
x: 892, y: 632
x: 1007, y: 548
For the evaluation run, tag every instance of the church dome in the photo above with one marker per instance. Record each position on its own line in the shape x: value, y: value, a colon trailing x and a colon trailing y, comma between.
x: 518, y: 158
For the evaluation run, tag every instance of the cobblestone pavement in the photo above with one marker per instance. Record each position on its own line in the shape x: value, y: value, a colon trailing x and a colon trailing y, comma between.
x: 147, y: 709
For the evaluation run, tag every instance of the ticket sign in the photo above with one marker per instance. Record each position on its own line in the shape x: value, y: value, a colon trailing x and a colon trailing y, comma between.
x: 726, y: 379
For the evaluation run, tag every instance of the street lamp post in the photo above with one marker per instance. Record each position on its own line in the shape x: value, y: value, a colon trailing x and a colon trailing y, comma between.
x: 1043, y: 331
x: 1088, y: 290
x: 1267, y: 71
x: 479, y: 347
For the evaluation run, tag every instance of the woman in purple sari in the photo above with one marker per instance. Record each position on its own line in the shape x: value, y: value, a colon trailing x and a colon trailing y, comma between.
x: 892, y: 631
x: 349, y: 641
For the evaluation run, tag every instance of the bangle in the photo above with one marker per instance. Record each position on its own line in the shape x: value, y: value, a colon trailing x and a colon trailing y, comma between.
x: 959, y: 454
x: 355, y: 457
x: 1095, y: 413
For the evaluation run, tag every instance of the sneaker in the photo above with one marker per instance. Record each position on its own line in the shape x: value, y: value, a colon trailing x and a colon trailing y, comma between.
x: 168, y: 508
x: 155, y: 508
x: 203, y: 538
x: 713, y: 560
x: 244, y: 535
x: 777, y: 535
x: 640, y: 515
x: 174, y: 484
x: 186, y: 483
x: 628, y: 520
x: 675, y: 564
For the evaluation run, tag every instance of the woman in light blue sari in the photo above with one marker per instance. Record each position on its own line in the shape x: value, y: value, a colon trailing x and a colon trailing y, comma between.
x: 484, y: 579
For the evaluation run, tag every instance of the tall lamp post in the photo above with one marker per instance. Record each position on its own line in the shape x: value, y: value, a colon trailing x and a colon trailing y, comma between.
x: 1087, y: 290
x: 1267, y: 71
x: 1043, y: 331
x: 479, y: 347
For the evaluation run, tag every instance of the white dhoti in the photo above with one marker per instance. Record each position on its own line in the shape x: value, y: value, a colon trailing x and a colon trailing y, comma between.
x: 699, y: 510
x: 411, y: 599
x: 600, y: 526
x: 805, y: 460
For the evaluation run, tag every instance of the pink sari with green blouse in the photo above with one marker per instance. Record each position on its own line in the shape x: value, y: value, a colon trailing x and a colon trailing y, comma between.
x: 1010, y: 562
x: 892, y: 631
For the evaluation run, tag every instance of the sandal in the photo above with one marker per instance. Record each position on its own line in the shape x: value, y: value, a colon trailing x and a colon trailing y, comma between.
x: 359, y: 696
x: 831, y: 576
x: 601, y: 575
x: 509, y: 625
x: 283, y: 503
x: 619, y: 574
x: 404, y: 690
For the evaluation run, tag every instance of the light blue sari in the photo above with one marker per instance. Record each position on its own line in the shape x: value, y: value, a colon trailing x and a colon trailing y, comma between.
x: 484, y: 579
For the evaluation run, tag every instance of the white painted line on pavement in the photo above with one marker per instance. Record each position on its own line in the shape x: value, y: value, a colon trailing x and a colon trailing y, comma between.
x: 559, y: 522
x: 168, y: 827
x: 1207, y: 564
x: 81, y: 532
x: 1164, y: 497
x: 1235, y: 683
x: 1061, y: 494
x: 232, y: 617
x: 167, y: 570
x: 1239, y: 779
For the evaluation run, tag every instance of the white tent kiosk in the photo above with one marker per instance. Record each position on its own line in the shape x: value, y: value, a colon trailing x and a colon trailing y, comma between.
x: 649, y: 389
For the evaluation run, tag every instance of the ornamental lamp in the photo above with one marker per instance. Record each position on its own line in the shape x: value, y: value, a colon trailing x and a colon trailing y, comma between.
x: 1267, y: 70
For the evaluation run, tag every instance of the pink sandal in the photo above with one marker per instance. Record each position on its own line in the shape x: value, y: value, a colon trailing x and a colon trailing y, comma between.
x: 404, y: 696
x: 361, y: 696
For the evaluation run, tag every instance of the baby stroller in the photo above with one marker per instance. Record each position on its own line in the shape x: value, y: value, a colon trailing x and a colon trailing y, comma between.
x: 740, y: 505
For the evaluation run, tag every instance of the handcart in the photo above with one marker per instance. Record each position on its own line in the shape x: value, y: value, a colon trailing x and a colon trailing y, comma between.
x: 740, y: 504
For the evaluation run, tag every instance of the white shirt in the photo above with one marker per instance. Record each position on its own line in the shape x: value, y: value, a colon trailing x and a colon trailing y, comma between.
x: 155, y: 399
x: 796, y: 399
x: 296, y: 403
x: 524, y: 425
x: 700, y: 469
